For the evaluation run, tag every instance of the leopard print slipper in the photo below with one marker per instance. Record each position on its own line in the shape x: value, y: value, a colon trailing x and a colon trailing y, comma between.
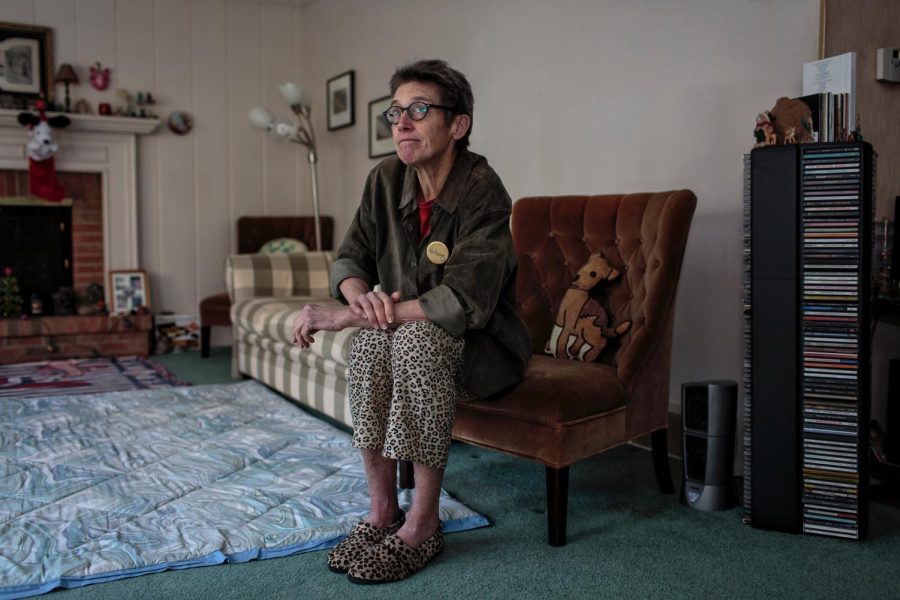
x: 363, y: 535
x: 393, y: 560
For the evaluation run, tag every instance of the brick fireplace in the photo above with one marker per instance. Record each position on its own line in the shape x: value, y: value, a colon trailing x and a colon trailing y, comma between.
x: 84, y: 190
x: 97, y: 168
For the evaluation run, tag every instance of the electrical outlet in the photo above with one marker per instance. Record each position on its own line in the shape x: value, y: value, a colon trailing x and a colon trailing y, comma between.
x: 887, y: 67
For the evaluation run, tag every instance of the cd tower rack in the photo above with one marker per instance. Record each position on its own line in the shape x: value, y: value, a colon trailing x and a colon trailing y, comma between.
x: 807, y: 342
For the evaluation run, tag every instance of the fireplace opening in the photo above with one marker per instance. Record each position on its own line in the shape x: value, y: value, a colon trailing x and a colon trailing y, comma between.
x: 36, y: 242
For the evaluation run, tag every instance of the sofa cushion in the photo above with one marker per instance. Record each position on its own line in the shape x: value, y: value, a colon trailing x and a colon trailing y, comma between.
x: 272, y: 318
x: 278, y: 275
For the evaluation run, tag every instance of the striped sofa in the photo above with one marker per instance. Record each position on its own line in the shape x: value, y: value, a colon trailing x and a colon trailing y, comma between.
x: 267, y: 292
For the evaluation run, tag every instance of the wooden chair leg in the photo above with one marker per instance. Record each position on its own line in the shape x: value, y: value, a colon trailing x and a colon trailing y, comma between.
x: 204, y: 341
x: 406, y: 475
x: 557, y: 503
x: 659, y: 443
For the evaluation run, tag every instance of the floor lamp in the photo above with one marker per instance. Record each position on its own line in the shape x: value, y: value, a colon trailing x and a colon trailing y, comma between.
x: 300, y: 132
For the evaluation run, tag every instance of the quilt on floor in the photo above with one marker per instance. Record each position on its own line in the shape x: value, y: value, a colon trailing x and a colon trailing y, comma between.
x: 100, y: 487
x: 82, y: 376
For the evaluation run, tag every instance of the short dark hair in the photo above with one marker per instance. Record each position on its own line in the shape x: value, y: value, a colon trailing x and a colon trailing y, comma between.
x: 454, y: 88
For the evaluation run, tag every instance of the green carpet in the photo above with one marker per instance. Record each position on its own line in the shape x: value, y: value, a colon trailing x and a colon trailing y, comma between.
x: 626, y: 540
x: 190, y: 366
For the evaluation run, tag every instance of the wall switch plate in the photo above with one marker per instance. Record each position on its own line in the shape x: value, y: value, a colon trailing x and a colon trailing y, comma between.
x: 888, y: 65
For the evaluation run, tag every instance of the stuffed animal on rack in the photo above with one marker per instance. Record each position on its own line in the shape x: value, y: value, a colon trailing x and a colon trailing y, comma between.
x: 582, y: 325
x: 42, y: 179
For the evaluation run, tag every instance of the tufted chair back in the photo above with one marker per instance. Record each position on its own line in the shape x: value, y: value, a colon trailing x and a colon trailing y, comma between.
x: 564, y: 411
x: 642, y: 235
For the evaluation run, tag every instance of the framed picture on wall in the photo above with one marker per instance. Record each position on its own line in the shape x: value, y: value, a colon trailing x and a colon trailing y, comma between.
x: 381, y: 142
x: 26, y: 61
x: 129, y: 291
x: 340, y: 101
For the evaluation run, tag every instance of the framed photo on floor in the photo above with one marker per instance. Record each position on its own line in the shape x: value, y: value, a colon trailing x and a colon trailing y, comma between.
x: 381, y: 141
x: 129, y: 291
x: 340, y: 101
x: 26, y: 61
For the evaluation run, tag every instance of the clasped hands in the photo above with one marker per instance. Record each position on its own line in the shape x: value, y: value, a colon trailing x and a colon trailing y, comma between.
x: 367, y: 309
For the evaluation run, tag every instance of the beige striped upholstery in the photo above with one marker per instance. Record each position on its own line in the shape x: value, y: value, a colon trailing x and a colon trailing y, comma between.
x: 271, y: 318
x: 267, y: 292
x: 278, y: 275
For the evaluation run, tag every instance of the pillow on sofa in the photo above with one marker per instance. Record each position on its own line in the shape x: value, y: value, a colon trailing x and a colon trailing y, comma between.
x: 283, y: 245
x: 582, y: 325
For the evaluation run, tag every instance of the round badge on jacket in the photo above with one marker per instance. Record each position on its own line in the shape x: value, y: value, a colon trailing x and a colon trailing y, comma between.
x: 437, y: 252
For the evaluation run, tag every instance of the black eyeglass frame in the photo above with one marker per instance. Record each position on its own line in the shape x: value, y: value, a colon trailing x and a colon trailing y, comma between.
x: 427, y: 106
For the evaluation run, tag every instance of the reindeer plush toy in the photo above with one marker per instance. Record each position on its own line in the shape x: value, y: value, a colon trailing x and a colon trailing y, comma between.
x: 42, y: 179
x: 582, y: 325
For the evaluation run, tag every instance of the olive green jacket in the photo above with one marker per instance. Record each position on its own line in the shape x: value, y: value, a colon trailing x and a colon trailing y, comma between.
x: 472, y: 295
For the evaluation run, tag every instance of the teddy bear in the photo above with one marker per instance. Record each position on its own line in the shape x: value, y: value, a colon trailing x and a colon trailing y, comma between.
x: 582, y: 325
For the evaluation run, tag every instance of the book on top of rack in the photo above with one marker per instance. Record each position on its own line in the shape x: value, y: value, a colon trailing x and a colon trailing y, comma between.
x: 829, y: 89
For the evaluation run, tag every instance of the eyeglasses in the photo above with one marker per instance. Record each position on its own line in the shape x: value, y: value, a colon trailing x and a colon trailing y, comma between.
x: 416, y: 111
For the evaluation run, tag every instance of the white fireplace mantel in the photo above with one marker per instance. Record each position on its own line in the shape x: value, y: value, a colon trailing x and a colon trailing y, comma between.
x: 93, y: 123
x: 94, y: 144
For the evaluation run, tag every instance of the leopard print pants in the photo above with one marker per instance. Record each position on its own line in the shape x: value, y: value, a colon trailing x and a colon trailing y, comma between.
x: 404, y: 384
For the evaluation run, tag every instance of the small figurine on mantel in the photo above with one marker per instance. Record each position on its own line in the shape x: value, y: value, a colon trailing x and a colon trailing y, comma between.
x: 144, y: 101
x: 125, y: 106
x: 83, y: 107
x: 765, y: 130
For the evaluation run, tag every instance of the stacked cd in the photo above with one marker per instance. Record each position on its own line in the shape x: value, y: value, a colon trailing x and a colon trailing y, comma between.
x: 831, y: 191
x: 746, y: 296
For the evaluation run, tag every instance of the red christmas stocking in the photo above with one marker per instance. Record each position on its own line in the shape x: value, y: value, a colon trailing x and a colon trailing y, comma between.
x: 42, y: 180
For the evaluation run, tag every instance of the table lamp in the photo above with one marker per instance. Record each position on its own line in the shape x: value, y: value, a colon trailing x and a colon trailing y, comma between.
x: 66, y: 75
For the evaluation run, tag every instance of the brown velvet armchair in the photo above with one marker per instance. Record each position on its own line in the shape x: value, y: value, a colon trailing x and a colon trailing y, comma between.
x: 565, y: 411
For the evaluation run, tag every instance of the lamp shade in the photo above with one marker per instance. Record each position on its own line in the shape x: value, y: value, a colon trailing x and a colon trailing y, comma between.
x: 260, y: 118
x: 291, y: 93
x: 66, y: 74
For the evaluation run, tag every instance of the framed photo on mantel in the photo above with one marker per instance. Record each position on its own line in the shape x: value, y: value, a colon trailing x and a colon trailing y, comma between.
x: 26, y: 62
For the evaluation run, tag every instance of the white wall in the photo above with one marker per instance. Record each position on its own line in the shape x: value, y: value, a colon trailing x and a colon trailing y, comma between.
x: 577, y: 96
x: 571, y: 96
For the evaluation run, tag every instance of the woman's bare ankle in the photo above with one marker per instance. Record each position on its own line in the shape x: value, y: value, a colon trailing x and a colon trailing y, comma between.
x: 414, y: 534
x: 384, y: 518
